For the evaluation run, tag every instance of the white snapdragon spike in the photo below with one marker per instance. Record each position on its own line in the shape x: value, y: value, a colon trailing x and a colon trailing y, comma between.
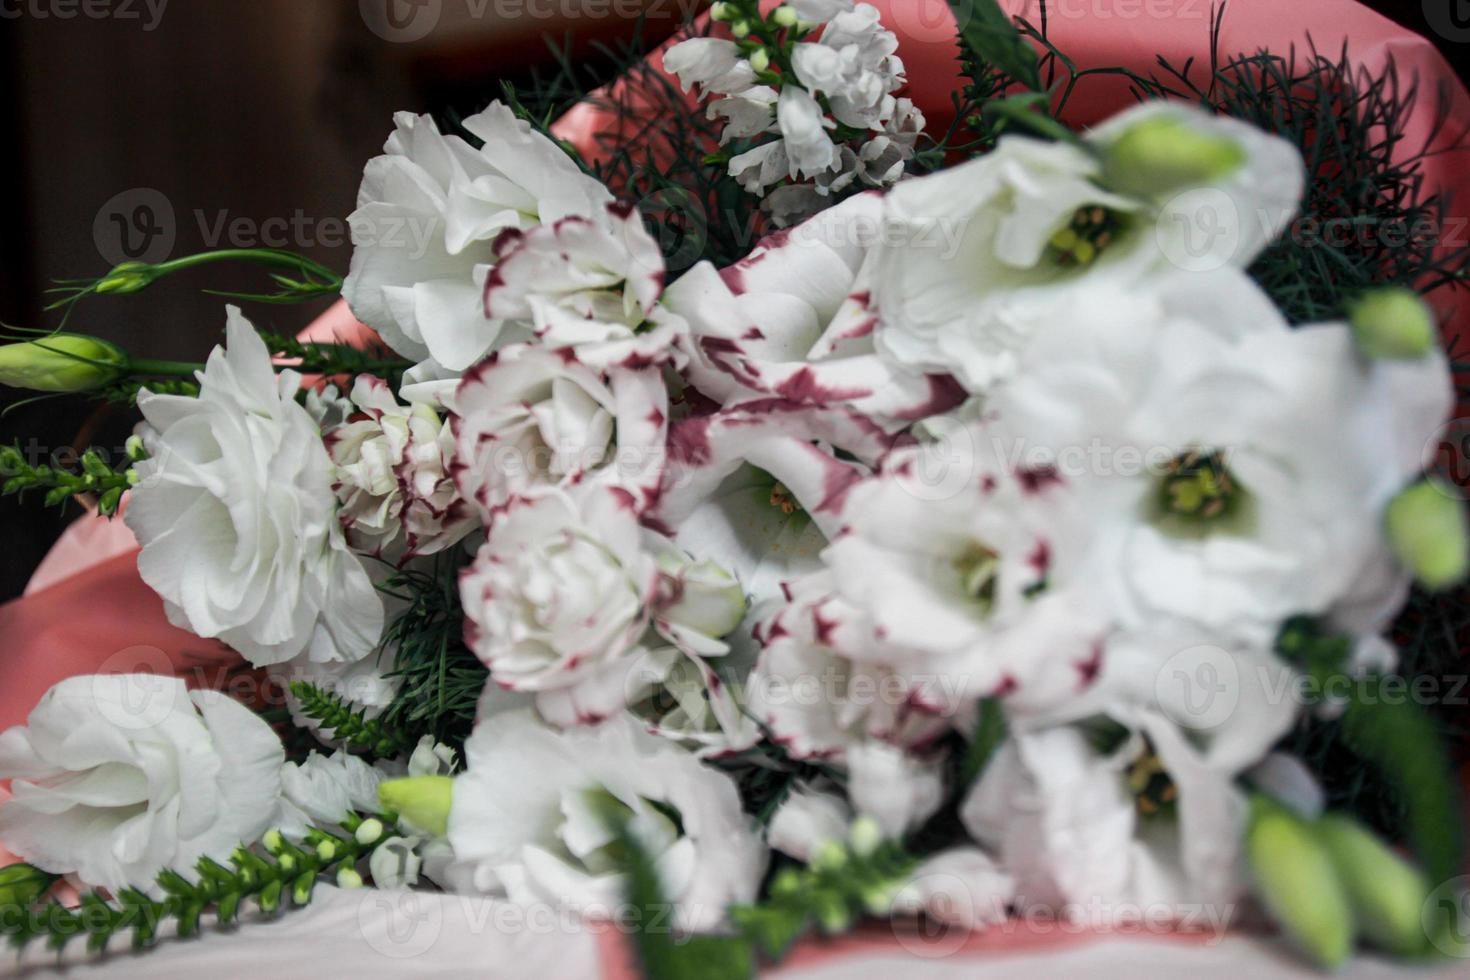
x: 978, y: 257
x: 714, y: 64
x: 237, y: 519
x: 322, y: 790
x: 1237, y: 469
x: 528, y: 416
x: 855, y: 65
x: 527, y: 820
x: 117, y: 777
x: 392, y: 474
x: 590, y: 285
x: 795, y: 320
x: 1154, y: 822
x: 559, y: 598
x: 428, y: 214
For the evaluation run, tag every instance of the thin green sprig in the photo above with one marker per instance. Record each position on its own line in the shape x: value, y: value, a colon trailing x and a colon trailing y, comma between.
x: 59, y: 485
x: 352, y: 727
x: 273, y: 877
x: 301, y: 278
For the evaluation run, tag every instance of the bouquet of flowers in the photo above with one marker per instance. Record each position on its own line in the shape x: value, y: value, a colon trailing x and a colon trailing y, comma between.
x: 1008, y: 529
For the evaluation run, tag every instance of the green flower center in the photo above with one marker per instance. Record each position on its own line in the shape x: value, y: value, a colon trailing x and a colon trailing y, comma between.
x: 1090, y: 232
x: 1200, y: 488
x: 978, y: 567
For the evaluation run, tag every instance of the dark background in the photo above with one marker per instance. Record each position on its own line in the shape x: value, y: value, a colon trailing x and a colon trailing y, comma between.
x: 256, y: 110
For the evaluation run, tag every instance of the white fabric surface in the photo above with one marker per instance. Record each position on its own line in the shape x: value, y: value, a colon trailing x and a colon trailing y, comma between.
x: 368, y: 935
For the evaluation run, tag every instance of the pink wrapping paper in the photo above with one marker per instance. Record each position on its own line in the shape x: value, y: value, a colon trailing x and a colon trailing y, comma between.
x: 87, y: 610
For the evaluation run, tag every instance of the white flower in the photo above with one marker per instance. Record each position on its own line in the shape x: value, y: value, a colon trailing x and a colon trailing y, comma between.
x: 808, y: 818
x: 527, y: 819
x: 794, y: 320
x: 1237, y: 469
x: 427, y: 218
x: 750, y: 113
x: 854, y: 65
x: 559, y: 598
x: 1155, y: 822
x: 977, y: 257
x: 818, y: 11
x: 237, y: 519
x: 528, y: 416
x: 392, y: 476
x: 323, y: 790
x: 713, y: 64
x: 961, y: 887
x: 117, y: 777
x: 588, y: 285
x: 804, y: 132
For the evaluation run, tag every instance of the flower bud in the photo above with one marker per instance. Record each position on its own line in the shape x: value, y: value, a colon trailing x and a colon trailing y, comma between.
x: 760, y: 60
x: 706, y: 598
x: 785, y: 16
x: 62, y: 362
x: 370, y: 831
x: 740, y: 29
x: 865, y: 836
x: 1426, y: 527
x: 1392, y: 322
x: 126, y: 278
x: 21, y: 885
x: 422, y: 801
x: 348, y: 879
x: 1296, y: 881
x: 136, y: 450
x: 1165, y: 154
x: 721, y: 11
x: 1386, y: 892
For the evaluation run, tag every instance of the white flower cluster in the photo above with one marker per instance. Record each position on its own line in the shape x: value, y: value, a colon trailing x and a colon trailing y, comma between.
x: 1007, y: 442
x: 831, y: 109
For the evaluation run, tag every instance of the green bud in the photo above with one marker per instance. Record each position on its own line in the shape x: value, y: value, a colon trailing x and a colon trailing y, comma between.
x: 135, y: 449
x: 829, y: 856
x: 273, y: 841
x: 1392, y: 322
x: 711, y: 600
x: 302, y: 888
x: 722, y: 11
x: 1165, y: 154
x: 422, y: 801
x: 287, y: 862
x: 65, y: 362
x: 369, y: 832
x: 865, y: 836
x: 1426, y: 527
x: 760, y: 60
x: 740, y: 29
x: 327, y: 850
x: 129, y: 277
x: 831, y: 912
x: 348, y: 878
x: 1297, y: 882
x: 786, y: 882
x: 21, y: 885
x: 785, y: 16
x: 1386, y: 892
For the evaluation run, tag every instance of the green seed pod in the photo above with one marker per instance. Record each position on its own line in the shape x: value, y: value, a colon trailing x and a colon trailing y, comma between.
x: 1387, y: 892
x: 1298, y: 884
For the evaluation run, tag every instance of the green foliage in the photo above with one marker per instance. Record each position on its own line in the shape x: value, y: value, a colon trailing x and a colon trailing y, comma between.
x: 353, y: 728
x: 441, y: 679
x: 272, y: 878
x: 334, y: 360
x: 59, y: 485
x: 992, y: 42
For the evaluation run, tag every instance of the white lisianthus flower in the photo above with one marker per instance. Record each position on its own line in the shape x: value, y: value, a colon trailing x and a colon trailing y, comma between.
x: 392, y: 476
x: 527, y: 819
x: 559, y: 598
x: 322, y: 790
x: 977, y: 257
x: 1237, y: 469
x: 528, y: 416
x: 118, y: 777
x: 428, y: 214
x: 237, y: 519
x: 589, y: 286
x: 1155, y: 822
x: 854, y: 64
x: 794, y: 320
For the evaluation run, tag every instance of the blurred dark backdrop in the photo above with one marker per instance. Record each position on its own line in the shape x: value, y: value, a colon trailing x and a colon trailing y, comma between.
x: 217, y: 111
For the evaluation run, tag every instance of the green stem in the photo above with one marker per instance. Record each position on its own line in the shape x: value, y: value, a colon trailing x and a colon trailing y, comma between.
x: 140, y: 366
